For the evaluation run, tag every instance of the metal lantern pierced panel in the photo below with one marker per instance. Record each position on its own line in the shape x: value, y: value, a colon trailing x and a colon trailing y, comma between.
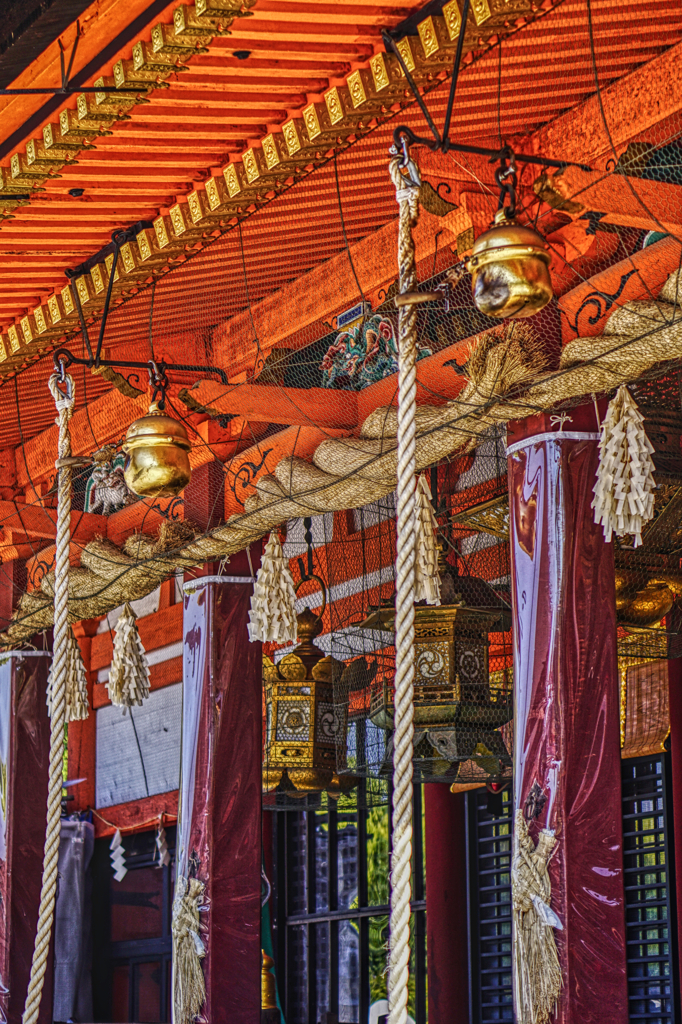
x: 458, y: 706
x: 305, y: 730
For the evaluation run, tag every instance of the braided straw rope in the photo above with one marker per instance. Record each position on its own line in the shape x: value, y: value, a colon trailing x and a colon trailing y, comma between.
x: 58, y: 701
x: 406, y: 544
x: 507, y: 379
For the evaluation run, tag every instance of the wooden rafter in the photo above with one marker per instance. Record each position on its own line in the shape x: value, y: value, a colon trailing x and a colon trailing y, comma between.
x: 327, y: 47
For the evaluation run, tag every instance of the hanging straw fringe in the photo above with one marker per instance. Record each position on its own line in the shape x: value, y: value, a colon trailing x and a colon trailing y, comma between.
x: 427, y: 580
x: 77, y: 707
x: 624, y: 492
x: 537, y: 974
x: 189, y: 988
x: 129, y: 673
x: 273, y: 605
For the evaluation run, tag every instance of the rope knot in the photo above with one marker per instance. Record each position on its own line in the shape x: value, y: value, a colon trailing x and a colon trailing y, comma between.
x: 64, y: 400
x: 407, y: 186
x: 558, y: 421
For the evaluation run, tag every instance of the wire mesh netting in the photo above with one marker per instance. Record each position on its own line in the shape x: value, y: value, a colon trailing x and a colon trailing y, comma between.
x: 295, y: 304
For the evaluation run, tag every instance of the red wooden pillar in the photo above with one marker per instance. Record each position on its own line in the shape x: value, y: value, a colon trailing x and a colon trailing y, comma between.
x: 24, y: 764
x: 566, y: 712
x: 446, y: 904
x: 220, y: 835
x: 82, y: 736
x: 675, y: 692
x: 12, y: 585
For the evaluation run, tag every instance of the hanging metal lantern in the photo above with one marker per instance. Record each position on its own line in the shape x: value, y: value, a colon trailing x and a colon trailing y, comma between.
x: 456, y: 710
x: 509, y: 267
x: 643, y: 602
x: 305, y: 729
x: 157, y: 461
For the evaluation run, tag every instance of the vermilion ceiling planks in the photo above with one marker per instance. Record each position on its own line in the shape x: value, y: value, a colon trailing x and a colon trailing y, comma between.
x: 213, y: 112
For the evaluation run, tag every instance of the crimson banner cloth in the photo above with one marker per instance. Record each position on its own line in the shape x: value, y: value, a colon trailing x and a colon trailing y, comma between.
x: 24, y: 768
x: 219, y: 836
x: 566, y: 702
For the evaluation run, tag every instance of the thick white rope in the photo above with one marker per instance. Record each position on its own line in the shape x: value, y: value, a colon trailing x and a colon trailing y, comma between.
x: 401, y: 867
x: 60, y: 649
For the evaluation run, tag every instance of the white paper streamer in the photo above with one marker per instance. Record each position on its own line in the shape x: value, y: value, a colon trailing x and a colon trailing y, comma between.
x: 273, y: 611
x: 624, y: 492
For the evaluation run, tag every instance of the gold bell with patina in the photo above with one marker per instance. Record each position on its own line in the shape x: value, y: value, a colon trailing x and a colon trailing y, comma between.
x: 157, y: 461
x: 509, y: 267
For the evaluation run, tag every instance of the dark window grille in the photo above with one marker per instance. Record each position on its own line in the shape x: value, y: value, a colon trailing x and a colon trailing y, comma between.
x: 330, y: 909
x: 132, y: 932
x: 490, y: 940
x: 648, y: 896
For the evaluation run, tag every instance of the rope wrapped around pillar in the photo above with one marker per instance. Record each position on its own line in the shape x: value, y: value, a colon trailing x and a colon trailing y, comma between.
x: 60, y: 655
x: 407, y: 196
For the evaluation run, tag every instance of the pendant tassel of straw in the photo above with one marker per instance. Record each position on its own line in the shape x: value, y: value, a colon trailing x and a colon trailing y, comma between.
x: 537, y: 973
x: 77, y: 707
x: 189, y: 987
x: 128, y: 683
x: 273, y: 604
x: 624, y: 492
x: 427, y: 580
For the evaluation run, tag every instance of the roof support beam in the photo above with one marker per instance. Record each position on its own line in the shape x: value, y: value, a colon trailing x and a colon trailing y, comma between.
x: 632, y: 105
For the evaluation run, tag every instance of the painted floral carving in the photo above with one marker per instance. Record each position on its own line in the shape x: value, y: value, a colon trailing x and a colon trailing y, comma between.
x: 362, y: 354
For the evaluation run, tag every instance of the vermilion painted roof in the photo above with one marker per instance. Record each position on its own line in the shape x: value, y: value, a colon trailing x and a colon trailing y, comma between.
x: 244, y: 87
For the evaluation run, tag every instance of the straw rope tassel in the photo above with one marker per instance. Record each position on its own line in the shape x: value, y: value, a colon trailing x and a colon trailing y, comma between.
x: 427, y: 580
x: 59, y: 679
x: 624, y: 492
x: 273, y: 603
x: 401, y: 888
x: 128, y: 683
x: 189, y: 987
x: 537, y: 973
x: 77, y: 707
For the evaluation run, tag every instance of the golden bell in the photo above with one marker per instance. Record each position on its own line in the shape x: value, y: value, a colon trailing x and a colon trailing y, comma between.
x: 157, y: 463
x: 509, y: 266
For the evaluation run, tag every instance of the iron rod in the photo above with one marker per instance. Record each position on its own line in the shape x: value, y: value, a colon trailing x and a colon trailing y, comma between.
x: 65, y: 92
x: 107, y: 302
x: 389, y: 41
x: 67, y: 357
x: 455, y: 72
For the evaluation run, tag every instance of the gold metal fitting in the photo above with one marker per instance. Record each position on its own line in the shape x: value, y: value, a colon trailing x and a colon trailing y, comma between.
x: 509, y: 266
x: 157, y: 463
x: 268, y: 985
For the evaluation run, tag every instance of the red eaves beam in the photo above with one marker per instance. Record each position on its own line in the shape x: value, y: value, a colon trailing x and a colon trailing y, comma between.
x: 136, y: 815
x: 631, y: 106
x: 439, y: 383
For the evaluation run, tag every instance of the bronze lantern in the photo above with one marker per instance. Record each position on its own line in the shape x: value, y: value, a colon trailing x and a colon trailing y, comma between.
x: 157, y: 461
x: 457, y: 711
x: 305, y: 731
x: 509, y: 266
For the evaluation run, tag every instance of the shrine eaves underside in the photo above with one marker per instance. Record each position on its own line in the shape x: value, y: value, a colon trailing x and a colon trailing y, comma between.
x: 257, y: 122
